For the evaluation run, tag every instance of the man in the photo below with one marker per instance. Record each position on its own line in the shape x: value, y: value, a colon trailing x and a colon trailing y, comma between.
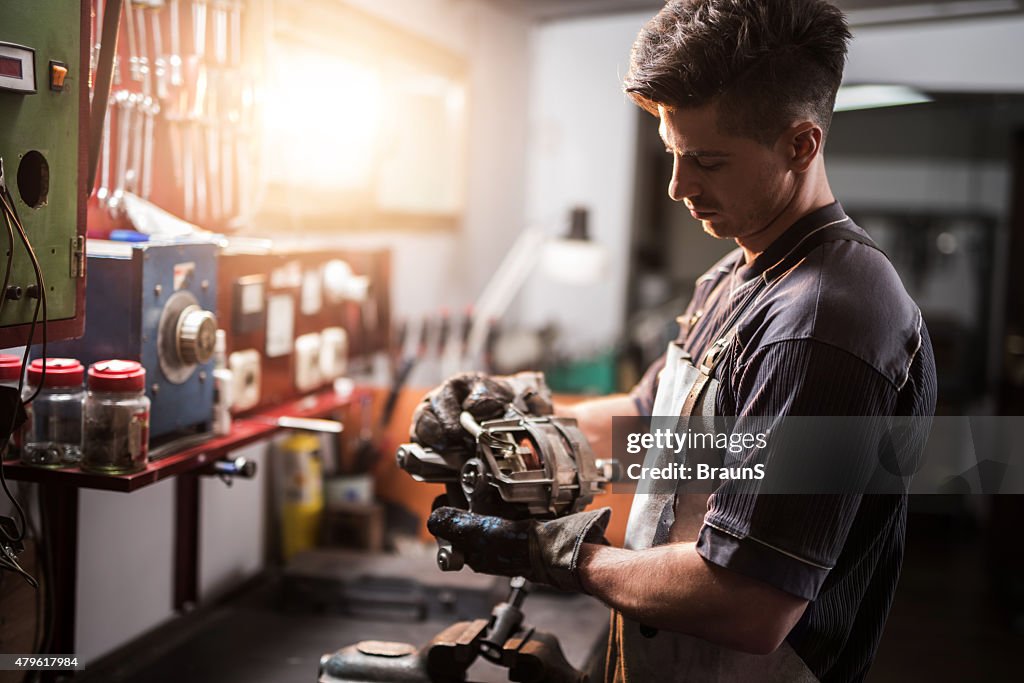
x: 805, y: 318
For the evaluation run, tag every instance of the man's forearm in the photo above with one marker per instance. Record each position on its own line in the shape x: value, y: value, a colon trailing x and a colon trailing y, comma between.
x: 595, y: 419
x: 673, y: 588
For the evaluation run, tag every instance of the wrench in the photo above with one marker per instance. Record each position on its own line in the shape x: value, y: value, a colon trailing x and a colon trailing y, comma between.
x: 150, y: 108
x: 199, y: 159
x: 123, y: 101
x: 132, y: 175
x: 220, y: 32
x: 200, y: 91
x: 176, y: 142
x: 215, y: 96
x: 244, y: 131
x: 213, y: 167
x: 159, y: 59
x: 133, y: 47
x: 199, y: 28
x: 174, y: 59
x: 236, y: 33
x: 227, y: 175
x: 143, y: 49
x: 103, y: 192
x: 189, y: 171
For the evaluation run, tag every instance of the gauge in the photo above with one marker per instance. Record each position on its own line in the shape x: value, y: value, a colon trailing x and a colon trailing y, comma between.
x: 17, y: 68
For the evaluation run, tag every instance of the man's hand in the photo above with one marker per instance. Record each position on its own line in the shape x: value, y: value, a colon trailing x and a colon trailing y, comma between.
x: 436, y: 421
x: 541, y: 551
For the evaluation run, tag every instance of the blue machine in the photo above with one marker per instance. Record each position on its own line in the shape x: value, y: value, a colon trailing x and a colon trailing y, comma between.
x: 153, y: 303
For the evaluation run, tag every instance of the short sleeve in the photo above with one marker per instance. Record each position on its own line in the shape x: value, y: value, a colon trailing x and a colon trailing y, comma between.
x: 792, y: 541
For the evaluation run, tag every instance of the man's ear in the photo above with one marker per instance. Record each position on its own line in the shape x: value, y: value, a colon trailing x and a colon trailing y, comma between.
x: 803, y: 145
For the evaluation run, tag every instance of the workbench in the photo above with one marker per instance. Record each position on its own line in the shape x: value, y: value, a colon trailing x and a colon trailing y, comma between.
x: 58, y: 497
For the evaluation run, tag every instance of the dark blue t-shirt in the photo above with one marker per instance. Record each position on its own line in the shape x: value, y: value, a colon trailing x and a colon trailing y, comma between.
x: 833, y: 333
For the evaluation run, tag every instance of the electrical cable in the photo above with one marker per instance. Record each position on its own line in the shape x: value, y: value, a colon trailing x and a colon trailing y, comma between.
x: 41, y: 286
x: 10, y: 428
x: 8, y: 561
x: 10, y: 261
x: 10, y: 212
x: 5, y: 439
x: 10, y: 565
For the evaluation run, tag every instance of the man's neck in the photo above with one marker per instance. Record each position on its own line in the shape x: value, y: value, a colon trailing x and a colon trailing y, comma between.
x: 809, y: 196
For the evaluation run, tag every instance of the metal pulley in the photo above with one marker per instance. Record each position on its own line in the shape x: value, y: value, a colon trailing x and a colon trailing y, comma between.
x: 187, y: 336
x: 196, y: 335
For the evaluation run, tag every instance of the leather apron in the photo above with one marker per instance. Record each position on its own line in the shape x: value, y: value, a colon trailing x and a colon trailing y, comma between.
x: 688, y: 390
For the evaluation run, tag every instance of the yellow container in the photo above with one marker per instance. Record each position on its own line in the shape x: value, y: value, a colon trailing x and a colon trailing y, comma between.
x: 302, y: 498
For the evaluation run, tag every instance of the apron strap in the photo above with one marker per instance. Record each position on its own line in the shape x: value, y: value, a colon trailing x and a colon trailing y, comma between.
x: 823, y: 235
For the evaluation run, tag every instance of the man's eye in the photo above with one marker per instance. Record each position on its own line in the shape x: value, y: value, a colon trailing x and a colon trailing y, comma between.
x: 707, y: 166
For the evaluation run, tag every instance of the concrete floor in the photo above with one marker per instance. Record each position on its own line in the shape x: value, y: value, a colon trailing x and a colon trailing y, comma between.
x: 947, y: 624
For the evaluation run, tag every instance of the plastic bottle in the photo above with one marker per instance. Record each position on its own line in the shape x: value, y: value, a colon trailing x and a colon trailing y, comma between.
x: 223, y: 383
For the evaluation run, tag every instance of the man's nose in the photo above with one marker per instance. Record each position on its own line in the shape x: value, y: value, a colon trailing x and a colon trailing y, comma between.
x: 684, y: 182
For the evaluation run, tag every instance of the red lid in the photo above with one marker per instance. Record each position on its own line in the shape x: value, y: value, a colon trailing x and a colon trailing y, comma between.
x: 60, y: 372
x: 117, y: 375
x: 10, y: 367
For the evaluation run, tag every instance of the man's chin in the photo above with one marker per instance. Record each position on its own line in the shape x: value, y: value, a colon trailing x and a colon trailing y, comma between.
x: 717, y: 228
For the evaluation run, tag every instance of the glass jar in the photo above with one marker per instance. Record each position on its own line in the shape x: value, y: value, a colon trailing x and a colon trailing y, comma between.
x: 10, y: 376
x: 52, y: 436
x: 116, y: 437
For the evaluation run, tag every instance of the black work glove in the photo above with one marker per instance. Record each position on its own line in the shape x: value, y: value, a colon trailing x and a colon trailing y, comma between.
x: 541, y: 551
x: 436, y: 425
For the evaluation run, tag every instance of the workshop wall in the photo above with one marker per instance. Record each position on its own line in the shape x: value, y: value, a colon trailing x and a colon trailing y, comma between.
x: 582, y: 153
x: 443, y: 269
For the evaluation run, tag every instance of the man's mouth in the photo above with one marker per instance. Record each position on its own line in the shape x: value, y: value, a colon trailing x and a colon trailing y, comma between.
x: 701, y: 215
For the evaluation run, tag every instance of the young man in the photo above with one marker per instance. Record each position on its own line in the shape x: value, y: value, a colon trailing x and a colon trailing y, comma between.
x: 805, y: 318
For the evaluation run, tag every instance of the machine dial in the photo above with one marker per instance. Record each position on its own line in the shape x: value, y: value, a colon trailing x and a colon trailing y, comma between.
x: 196, y: 335
x: 186, y: 335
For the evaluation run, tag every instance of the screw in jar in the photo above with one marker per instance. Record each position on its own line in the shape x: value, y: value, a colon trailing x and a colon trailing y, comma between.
x: 116, y: 439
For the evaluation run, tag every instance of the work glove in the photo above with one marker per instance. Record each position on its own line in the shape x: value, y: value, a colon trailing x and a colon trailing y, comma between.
x: 436, y: 425
x: 540, y: 551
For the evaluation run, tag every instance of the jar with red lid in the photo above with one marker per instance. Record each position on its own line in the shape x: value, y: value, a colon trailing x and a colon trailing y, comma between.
x: 116, y: 418
x: 10, y: 370
x: 52, y: 436
x: 10, y: 376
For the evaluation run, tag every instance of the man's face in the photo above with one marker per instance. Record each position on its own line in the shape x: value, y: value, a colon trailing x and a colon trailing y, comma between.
x: 734, y: 185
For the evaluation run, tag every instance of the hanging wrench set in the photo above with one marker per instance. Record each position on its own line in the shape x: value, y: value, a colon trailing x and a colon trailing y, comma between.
x: 179, y: 115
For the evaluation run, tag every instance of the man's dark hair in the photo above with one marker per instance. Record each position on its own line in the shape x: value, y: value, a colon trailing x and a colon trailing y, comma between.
x: 765, y: 62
